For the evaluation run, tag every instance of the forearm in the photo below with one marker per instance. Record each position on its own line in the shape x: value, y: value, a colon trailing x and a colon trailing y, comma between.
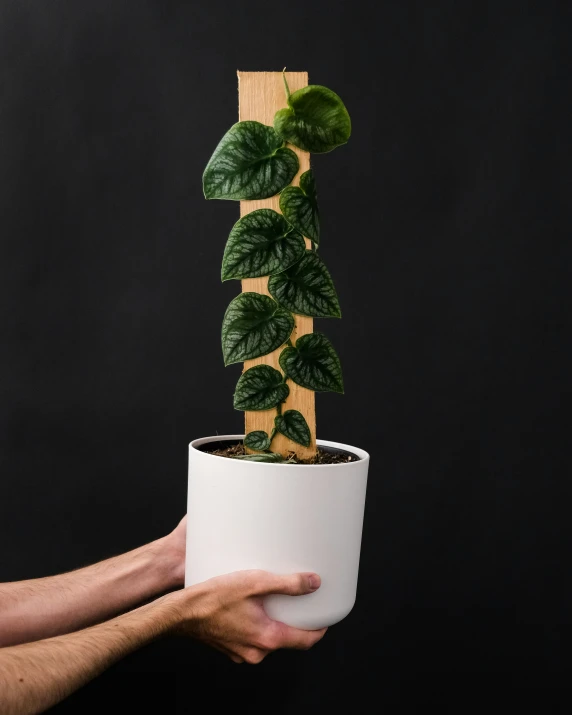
x: 41, y: 608
x: 35, y: 676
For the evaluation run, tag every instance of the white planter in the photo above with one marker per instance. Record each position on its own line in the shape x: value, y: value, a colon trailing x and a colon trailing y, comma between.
x: 283, y: 518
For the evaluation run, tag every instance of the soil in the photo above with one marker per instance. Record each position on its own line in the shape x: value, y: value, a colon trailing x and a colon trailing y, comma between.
x: 322, y: 457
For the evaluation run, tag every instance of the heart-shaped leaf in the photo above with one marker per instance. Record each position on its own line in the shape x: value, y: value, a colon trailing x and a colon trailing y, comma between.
x: 266, y: 457
x: 299, y: 206
x: 253, y: 325
x: 260, y: 388
x: 250, y: 162
x: 293, y: 426
x: 260, y: 244
x: 257, y: 440
x: 306, y: 288
x: 313, y: 363
x: 315, y: 120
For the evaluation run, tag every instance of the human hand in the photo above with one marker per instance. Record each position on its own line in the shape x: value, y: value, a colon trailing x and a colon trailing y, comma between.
x: 227, y: 613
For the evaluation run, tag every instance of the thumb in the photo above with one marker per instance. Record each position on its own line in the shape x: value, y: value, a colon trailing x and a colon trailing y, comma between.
x: 296, y: 584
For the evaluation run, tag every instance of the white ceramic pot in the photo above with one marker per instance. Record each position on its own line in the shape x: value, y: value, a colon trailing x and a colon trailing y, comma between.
x: 282, y: 518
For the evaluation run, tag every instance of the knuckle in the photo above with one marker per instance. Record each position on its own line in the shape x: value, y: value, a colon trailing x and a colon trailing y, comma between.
x: 254, y: 656
x: 315, y: 638
x: 268, y: 641
x: 305, y: 644
x: 255, y: 580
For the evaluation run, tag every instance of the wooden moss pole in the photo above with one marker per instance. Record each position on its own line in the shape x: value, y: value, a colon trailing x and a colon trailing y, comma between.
x: 260, y: 96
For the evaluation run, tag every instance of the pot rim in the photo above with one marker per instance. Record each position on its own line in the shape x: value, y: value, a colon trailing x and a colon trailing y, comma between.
x: 361, y: 453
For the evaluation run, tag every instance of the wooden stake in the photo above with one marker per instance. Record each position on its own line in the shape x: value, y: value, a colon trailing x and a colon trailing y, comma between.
x: 260, y: 96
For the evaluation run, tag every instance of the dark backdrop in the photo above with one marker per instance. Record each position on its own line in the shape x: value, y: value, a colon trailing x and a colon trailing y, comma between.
x: 446, y: 226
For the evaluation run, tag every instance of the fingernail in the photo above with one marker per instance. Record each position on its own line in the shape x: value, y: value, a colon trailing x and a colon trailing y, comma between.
x: 314, y: 580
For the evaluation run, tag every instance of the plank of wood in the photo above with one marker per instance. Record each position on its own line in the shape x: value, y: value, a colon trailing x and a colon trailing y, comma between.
x: 260, y: 96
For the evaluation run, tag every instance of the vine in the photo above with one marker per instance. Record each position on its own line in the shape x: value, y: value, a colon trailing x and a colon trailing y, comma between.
x: 250, y: 162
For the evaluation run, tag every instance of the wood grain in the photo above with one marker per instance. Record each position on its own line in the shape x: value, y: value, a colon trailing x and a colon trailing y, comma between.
x: 260, y: 96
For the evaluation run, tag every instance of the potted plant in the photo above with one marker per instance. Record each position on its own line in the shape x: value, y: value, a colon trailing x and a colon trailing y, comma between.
x: 276, y: 498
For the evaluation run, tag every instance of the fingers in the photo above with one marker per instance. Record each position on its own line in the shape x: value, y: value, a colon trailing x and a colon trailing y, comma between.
x: 283, y: 637
x: 233, y: 656
x: 265, y: 583
x: 297, y: 638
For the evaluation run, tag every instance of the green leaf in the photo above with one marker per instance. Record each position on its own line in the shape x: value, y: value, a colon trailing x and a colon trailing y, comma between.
x: 306, y: 288
x: 258, y: 440
x: 313, y: 363
x: 260, y: 244
x: 265, y: 457
x: 316, y: 120
x: 250, y: 162
x: 299, y: 205
x: 260, y: 388
x: 253, y: 325
x: 293, y: 426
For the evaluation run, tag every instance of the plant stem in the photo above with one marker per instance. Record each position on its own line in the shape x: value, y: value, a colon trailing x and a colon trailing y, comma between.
x: 286, y: 83
x: 274, y: 430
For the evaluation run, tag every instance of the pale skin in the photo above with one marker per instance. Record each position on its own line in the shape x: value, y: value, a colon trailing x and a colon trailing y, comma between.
x: 49, y: 646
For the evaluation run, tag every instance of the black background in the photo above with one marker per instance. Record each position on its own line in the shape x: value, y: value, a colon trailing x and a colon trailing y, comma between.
x: 446, y: 225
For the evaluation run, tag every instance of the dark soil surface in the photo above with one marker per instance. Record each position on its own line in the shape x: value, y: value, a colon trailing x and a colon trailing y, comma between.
x: 322, y: 457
